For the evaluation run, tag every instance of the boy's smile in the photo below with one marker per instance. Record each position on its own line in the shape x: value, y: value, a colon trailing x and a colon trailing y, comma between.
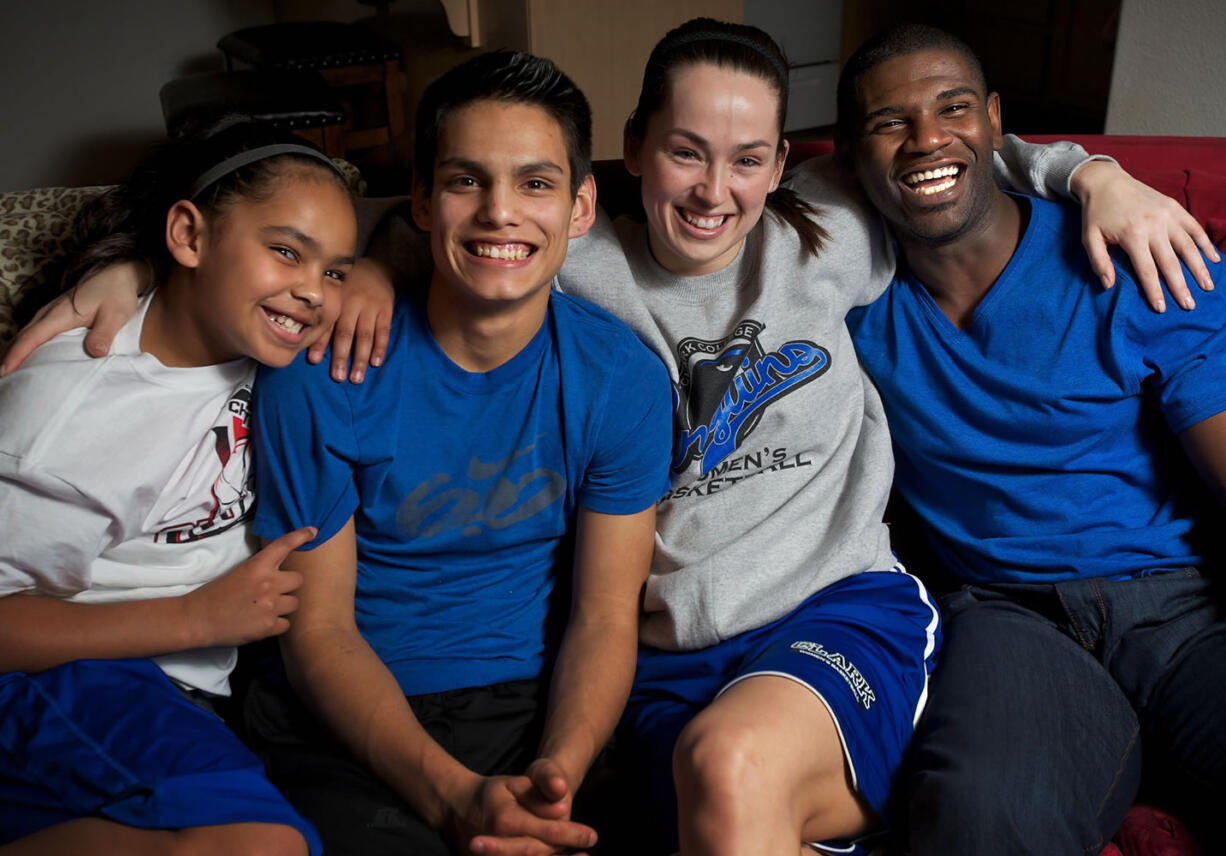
x: 500, y: 213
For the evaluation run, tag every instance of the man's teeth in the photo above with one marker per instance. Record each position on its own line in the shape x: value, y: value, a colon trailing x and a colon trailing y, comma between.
x: 950, y: 173
x: 936, y: 188
x: 704, y: 222
x: 516, y: 252
x: 286, y: 323
x: 929, y: 174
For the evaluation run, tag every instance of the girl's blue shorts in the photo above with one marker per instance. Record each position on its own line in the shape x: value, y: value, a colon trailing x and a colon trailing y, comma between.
x: 116, y: 739
x: 864, y: 647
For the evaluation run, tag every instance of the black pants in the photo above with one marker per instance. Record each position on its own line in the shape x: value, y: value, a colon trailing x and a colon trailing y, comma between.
x: 492, y: 730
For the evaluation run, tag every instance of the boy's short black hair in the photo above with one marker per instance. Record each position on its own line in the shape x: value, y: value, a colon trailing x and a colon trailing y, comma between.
x: 898, y: 40
x: 513, y: 77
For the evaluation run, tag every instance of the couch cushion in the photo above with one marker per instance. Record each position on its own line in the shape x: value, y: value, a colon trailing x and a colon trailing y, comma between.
x: 1206, y: 199
x: 34, y: 227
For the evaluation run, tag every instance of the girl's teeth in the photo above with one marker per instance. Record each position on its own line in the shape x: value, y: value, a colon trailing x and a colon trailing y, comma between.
x: 286, y: 323
x: 704, y: 222
x: 493, y: 251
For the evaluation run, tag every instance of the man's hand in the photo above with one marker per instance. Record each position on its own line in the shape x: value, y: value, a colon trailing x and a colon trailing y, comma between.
x: 526, y: 815
x: 104, y: 303
x: 365, y: 321
x: 551, y: 793
x: 251, y: 601
x: 1155, y: 231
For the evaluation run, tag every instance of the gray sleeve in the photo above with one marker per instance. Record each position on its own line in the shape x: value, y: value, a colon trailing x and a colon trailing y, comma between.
x: 860, y: 254
x: 1040, y: 169
x: 596, y: 268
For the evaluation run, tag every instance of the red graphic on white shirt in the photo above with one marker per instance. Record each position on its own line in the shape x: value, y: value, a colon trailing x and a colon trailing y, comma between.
x: 231, y: 491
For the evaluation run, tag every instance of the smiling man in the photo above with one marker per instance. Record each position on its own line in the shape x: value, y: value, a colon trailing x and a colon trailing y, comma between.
x: 1038, y: 423
x: 447, y: 490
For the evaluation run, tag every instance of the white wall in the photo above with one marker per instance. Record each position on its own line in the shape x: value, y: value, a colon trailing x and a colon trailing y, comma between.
x: 79, y: 80
x: 1170, y: 69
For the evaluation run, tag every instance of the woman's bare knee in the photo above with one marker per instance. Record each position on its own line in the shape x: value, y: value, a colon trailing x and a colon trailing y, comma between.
x: 769, y: 748
x: 720, y: 759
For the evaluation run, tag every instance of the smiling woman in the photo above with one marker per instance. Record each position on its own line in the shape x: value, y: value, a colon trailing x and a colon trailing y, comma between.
x: 772, y: 570
x: 706, y: 166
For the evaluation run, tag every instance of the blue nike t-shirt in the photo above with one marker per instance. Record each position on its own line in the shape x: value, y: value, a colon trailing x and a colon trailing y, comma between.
x: 464, y: 486
x: 1038, y: 443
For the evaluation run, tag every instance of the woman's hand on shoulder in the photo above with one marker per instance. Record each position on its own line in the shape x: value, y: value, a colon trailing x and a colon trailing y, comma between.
x: 1152, y: 228
x: 103, y: 302
x: 359, y: 337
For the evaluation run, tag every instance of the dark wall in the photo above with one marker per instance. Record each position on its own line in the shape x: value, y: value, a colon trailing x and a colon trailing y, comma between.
x: 1050, y: 60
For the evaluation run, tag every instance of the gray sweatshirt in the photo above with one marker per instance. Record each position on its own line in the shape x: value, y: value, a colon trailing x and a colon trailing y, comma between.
x: 782, y: 461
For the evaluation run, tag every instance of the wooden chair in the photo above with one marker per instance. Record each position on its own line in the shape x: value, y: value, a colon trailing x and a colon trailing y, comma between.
x: 362, y: 67
x: 299, y: 100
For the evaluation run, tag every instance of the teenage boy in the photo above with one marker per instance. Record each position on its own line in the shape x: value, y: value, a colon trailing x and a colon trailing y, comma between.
x: 447, y: 489
x: 1034, y: 418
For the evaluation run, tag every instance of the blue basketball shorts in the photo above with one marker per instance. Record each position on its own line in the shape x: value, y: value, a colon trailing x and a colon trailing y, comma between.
x: 116, y: 739
x: 864, y: 646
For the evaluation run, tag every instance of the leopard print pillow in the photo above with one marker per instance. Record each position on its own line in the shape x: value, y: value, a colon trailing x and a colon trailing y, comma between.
x: 34, y: 226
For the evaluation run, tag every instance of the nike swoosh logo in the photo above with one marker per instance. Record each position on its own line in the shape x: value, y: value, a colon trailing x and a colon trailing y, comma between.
x: 478, y: 470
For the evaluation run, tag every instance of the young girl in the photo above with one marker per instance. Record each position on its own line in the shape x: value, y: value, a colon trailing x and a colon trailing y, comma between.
x: 126, y: 567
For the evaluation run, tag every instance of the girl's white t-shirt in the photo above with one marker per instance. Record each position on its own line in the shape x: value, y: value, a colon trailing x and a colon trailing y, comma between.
x: 124, y: 479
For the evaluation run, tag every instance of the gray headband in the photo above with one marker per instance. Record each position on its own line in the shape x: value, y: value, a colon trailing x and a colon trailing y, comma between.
x: 744, y: 41
x: 250, y: 156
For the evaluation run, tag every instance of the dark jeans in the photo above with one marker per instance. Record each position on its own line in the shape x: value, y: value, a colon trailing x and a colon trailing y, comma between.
x: 492, y: 730
x: 1042, y: 701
